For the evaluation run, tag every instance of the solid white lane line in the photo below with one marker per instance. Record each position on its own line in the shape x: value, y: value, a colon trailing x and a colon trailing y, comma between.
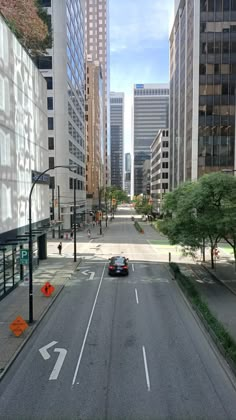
x: 136, y: 294
x: 146, y: 369
x: 133, y: 267
x: 87, y: 330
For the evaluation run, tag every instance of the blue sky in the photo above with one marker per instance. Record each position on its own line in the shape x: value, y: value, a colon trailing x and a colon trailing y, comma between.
x: 139, y: 47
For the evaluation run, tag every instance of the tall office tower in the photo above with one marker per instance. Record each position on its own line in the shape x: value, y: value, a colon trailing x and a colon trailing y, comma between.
x: 98, y: 47
x: 94, y: 132
x: 63, y: 69
x: 127, y: 184
x: 117, y: 138
x: 202, y: 89
x: 150, y: 114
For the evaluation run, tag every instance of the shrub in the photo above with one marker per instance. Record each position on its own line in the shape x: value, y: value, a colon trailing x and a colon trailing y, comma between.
x: 195, y: 298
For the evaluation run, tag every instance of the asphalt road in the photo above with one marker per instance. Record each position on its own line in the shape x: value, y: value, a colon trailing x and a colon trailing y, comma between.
x: 119, y: 348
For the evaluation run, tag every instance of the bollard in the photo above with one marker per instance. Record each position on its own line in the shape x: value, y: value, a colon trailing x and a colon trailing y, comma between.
x: 169, y: 256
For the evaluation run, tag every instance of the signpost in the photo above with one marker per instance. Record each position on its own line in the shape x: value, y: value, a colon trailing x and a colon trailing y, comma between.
x: 24, y: 256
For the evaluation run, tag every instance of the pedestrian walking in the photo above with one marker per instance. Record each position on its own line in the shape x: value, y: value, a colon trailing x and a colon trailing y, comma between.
x: 89, y: 233
x: 71, y: 235
x: 60, y: 248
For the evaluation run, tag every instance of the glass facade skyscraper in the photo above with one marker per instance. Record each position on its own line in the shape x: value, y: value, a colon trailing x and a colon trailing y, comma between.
x: 117, y: 138
x: 202, y: 89
x: 151, y: 110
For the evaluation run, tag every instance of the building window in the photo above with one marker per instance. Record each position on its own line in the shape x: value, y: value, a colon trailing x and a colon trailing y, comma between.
x: 50, y: 103
x: 52, y: 182
x: 50, y: 143
x: 165, y: 154
x: 50, y: 123
x: 165, y: 165
x: 49, y: 83
x: 71, y: 183
x: 165, y: 175
x: 165, y: 143
x: 51, y: 162
x: 44, y: 63
x: 45, y: 3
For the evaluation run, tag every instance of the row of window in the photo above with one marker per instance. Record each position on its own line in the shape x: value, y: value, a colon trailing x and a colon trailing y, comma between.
x: 79, y: 185
x: 76, y: 152
x: 217, y: 5
x: 139, y: 92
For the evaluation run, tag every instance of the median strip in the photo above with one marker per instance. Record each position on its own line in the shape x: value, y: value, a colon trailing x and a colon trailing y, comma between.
x: 220, y: 335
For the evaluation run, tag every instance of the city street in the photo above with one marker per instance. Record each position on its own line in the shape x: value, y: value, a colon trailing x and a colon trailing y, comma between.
x: 119, y: 347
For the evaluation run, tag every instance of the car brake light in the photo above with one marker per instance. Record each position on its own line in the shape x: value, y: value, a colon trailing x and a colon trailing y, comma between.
x: 111, y: 267
x: 125, y: 266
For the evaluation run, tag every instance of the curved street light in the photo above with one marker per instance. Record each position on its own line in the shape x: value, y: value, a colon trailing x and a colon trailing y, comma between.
x: 31, y: 240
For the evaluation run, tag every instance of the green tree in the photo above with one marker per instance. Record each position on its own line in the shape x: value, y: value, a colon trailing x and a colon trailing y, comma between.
x: 201, y: 210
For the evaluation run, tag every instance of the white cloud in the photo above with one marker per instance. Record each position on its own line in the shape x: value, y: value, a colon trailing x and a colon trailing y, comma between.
x: 134, y: 23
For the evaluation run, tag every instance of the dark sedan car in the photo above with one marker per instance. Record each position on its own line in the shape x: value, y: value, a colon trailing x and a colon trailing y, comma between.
x: 118, y: 265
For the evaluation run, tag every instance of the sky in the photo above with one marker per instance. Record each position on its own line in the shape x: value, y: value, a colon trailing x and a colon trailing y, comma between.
x: 139, y: 48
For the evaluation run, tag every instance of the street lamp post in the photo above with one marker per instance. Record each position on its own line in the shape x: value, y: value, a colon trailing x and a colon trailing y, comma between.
x: 100, y: 211
x: 31, y: 317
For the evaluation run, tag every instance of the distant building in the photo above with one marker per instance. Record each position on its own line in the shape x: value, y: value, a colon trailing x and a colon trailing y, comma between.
x: 159, y: 169
x: 23, y: 156
x: 127, y: 182
x: 202, y: 89
x: 94, y: 132
x: 150, y: 113
x: 146, y: 177
x: 117, y: 138
x: 98, y: 48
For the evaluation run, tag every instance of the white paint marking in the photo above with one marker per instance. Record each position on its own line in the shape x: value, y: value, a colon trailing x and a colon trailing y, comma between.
x: 58, y: 364
x: 146, y: 369
x: 133, y: 267
x: 87, y: 330
x: 86, y: 273
x: 44, y: 350
x: 136, y: 294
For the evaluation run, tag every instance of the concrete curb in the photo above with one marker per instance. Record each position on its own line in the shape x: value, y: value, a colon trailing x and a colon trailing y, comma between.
x: 8, y: 365
x: 214, y: 276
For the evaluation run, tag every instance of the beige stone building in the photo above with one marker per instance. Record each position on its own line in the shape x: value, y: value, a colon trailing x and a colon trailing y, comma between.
x: 98, y: 48
x: 94, y: 132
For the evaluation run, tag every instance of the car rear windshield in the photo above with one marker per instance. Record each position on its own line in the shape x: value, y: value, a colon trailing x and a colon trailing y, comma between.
x: 118, y: 261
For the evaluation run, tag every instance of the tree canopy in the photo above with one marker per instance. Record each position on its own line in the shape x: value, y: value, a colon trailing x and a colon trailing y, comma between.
x: 30, y: 23
x: 201, y: 211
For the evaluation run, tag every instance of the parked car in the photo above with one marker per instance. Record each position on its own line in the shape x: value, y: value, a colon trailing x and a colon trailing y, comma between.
x: 118, y: 265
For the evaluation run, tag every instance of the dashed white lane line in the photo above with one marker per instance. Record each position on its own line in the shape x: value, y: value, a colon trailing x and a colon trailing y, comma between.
x: 136, y: 295
x: 87, y: 330
x: 133, y: 267
x: 146, y: 369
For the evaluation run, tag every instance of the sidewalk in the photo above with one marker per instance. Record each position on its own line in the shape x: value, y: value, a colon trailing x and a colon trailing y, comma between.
x: 57, y: 270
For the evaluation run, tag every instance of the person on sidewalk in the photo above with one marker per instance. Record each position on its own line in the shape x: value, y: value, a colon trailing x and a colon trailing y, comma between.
x: 71, y: 235
x: 60, y: 248
x: 89, y: 233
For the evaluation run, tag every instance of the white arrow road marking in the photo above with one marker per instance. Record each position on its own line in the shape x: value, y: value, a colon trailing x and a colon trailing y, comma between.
x: 86, y: 273
x: 58, y: 364
x: 44, y: 350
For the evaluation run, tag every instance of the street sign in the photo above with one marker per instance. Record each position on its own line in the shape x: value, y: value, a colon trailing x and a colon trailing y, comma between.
x: 24, y: 256
x: 18, y: 326
x: 47, y: 289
